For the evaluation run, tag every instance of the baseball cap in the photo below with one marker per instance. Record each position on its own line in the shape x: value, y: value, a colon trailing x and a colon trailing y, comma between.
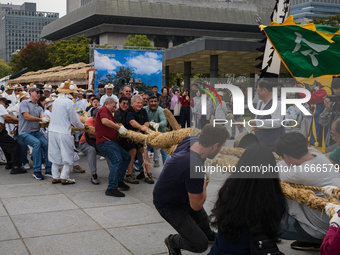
x: 34, y: 89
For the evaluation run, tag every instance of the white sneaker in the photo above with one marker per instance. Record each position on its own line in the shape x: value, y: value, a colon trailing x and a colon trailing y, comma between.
x: 27, y: 166
x: 102, y: 158
x: 81, y: 154
x: 42, y: 167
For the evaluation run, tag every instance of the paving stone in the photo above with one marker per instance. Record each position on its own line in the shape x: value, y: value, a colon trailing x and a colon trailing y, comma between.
x: 99, y: 199
x: 7, y: 178
x: 7, y: 230
x: 37, y: 204
x: 143, y: 239
x: 83, y: 184
x: 24, y: 190
x: 84, y: 243
x: 124, y: 215
x: 2, y: 210
x: 142, y: 191
x: 52, y: 223
x: 13, y: 247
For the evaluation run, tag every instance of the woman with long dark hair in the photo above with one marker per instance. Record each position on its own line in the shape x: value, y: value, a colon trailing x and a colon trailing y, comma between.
x: 249, y: 203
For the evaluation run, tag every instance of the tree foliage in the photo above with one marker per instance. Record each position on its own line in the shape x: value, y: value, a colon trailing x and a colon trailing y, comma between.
x: 4, y: 69
x: 33, y: 56
x: 123, y: 77
x: 138, y: 40
x: 333, y: 21
x: 68, y: 52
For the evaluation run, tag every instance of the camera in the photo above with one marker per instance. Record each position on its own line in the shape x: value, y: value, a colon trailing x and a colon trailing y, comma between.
x: 334, y: 98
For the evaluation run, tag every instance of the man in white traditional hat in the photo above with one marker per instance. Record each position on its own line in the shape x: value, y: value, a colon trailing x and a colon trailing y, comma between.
x: 47, y: 90
x: 60, y: 138
x: 109, y: 93
x: 9, y: 94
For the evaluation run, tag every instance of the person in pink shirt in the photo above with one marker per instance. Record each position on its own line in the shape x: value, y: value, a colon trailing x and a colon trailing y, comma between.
x: 331, y: 242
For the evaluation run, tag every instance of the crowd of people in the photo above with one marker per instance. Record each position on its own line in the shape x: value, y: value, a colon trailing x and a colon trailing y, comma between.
x: 250, y: 207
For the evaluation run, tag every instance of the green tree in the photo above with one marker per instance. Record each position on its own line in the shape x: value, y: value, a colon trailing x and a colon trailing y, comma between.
x: 138, y: 40
x: 333, y: 21
x: 33, y: 56
x: 68, y: 52
x: 122, y: 77
x: 4, y: 69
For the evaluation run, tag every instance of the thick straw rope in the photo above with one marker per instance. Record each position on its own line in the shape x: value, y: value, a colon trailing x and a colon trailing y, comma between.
x: 169, y: 141
x: 307, y: 197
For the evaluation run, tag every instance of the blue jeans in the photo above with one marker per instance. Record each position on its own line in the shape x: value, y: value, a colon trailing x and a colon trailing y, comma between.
x: 291, y: 230
x: 23, y: 149
x: 119, y: 158
x: 40, y: 148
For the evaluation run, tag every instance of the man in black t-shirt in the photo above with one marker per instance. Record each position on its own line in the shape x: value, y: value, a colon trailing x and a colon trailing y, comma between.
x: 136, y: 119
x: 180, y: 191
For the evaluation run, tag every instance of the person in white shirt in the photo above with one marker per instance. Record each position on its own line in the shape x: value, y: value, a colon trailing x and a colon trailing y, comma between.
x: 109, y: 93
x: 47, y: 90
x: 292, y: 112
x: 306, y: 166
x: 87, y: 102
x: 9, y: 94
x: 269, y: 126
x: 61, y: 142
x: 9, y: 146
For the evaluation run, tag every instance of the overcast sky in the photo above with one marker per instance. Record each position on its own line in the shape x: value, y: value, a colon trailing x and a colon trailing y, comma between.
x: 43, y: 5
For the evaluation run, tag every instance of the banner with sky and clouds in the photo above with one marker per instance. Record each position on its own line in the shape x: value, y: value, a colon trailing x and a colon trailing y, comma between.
x: 119, y: 66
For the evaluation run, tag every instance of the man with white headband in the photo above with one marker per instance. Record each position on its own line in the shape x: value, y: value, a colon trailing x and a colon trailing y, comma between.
x: 60, y: 138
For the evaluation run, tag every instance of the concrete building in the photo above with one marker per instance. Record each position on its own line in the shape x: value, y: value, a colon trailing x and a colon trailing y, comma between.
x: 261, y: 5
x: 19, y: 26
x: 9, y: 6
x: 166, y: 25
x: 305, y: 10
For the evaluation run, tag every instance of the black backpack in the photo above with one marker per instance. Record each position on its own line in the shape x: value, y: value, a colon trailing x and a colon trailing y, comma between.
x: 262, y: 245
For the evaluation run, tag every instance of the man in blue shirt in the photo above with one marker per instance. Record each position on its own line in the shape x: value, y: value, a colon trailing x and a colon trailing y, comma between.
x: 180, y: 191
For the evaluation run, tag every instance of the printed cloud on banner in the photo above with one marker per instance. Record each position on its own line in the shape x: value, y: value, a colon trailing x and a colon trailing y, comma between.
x: 106, y: 63
x: 146, y: 64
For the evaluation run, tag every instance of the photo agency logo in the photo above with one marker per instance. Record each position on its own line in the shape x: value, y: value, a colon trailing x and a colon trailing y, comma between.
x: 261, y: 116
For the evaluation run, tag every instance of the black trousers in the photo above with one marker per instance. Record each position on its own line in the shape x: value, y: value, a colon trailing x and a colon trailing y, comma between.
x: 192, y: 226
x: 10, y: 148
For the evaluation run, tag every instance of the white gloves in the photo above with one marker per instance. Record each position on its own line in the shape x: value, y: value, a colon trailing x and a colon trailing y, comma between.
x: 154, y: 125
x: 122, y: 130
x: 328, y: 190
x: 335, y: 219
x: 45, y: 120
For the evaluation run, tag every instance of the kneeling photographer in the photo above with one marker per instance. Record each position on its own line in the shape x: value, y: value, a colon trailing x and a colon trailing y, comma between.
x: 331, y: 112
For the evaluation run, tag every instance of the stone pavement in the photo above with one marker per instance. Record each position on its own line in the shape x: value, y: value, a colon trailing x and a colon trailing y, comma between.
x: 37, y: 217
